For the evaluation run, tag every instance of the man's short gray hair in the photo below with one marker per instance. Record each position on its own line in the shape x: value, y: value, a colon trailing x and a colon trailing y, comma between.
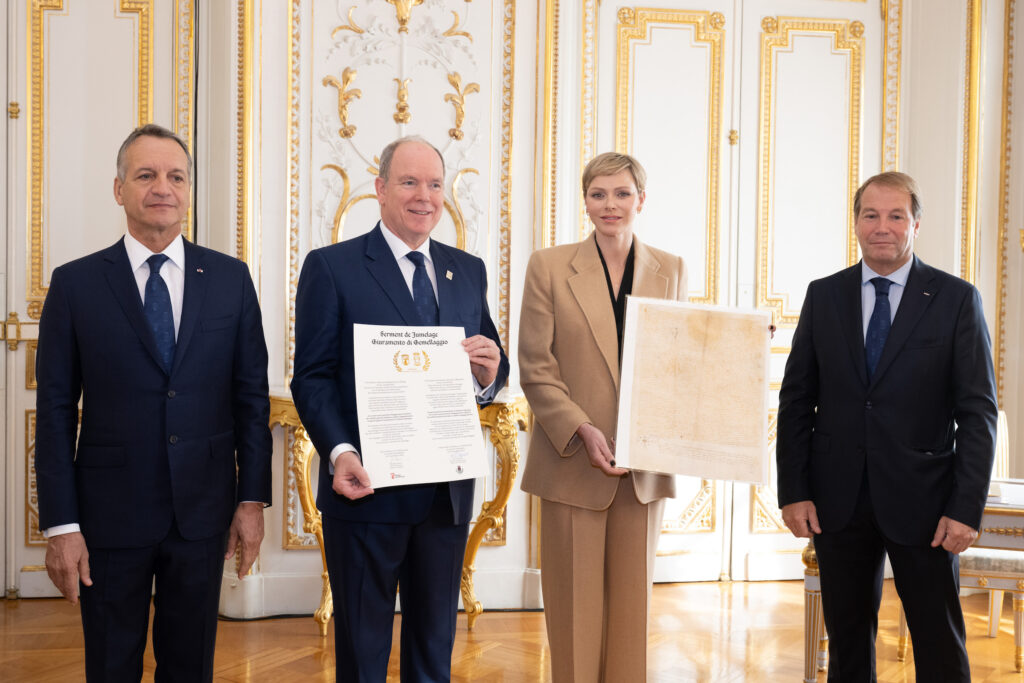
x: 154, y: 131
x: 389, y: 152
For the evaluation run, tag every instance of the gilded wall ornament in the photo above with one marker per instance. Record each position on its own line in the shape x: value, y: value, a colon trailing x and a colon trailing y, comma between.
x: 458, y: 100
x: 345, y: 95
x: 350, y: 26
x: 403, y: 10
x: 402, y: 114
x: 452, y: 32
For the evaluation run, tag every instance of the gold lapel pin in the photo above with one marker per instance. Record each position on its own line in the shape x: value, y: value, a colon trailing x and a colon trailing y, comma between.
x: 448, y: 274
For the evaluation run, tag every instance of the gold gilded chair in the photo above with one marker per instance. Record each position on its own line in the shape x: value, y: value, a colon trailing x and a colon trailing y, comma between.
x: 504, y: 419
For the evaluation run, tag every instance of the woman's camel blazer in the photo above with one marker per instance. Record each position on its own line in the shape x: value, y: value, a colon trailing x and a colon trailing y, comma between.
x: 569, y: 367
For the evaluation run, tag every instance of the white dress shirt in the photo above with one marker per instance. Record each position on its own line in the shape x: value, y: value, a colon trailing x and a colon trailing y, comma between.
x: 867, y: 290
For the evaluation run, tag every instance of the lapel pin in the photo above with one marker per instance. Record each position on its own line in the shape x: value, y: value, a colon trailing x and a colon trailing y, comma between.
x: 927, y: 293
x: 199, y: 270
x: 448, y: 274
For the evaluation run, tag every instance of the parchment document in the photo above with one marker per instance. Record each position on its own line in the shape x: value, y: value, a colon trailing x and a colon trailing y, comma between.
x: 693, y: 397
x: 418, y: 420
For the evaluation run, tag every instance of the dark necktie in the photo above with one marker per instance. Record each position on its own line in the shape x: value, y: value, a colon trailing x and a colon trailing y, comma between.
x: 422, y: 291
x: 157, y: 308
x: 878, y: 326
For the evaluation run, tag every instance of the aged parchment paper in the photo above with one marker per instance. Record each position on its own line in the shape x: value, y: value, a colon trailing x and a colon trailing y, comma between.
x: 693, y: 397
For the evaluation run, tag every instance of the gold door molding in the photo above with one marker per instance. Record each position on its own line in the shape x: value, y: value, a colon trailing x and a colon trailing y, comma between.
x: 635, y: 25
x: 971, y: 151
x: 1002, y: 243
x: 588, y: 98
x: 765, y: 516
x: 777, y: 36
x: 38, y: 90
x: 892, y: 15
x: 699, y: 515
x: 244, y: 147
x: 549, y: 155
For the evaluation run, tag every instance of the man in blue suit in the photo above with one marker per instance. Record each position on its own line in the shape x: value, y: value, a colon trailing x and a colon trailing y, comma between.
x: 414, y: 535
x: 887, y: 424
x: 163, y: 342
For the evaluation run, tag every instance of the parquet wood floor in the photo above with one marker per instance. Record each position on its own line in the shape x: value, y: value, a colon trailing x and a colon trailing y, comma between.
x: 700, y: 632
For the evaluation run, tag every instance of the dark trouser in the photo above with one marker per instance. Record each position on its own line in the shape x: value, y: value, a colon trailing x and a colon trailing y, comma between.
x: 367, y: 563
x: 115, y: 609
x: 851, y: 563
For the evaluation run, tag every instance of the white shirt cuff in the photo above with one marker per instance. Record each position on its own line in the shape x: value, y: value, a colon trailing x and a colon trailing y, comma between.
x: 338, y: 450
x: 61, y: 529
x: 485, y: 394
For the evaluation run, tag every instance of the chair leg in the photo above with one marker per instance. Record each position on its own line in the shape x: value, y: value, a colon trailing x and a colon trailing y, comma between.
x: 1018, y: 631
x: 901, y: 644
x: 995, y: 612
x: 814, y: 627
x: 823, y: 649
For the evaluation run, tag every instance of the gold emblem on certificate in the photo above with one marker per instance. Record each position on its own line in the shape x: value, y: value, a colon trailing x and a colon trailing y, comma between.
x: 411, y: 360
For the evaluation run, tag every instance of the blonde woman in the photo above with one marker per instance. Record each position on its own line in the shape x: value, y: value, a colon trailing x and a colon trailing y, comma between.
x: 599, y: 523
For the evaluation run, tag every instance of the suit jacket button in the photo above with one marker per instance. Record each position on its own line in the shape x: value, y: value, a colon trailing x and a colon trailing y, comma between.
x: 868, y: 405
x: 170, y: 393
x: 173, y: 439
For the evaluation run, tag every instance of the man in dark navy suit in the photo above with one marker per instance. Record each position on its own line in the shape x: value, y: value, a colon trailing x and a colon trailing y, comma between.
x: 414, y: 535
x: 887, y: 424
x: 163, y: 342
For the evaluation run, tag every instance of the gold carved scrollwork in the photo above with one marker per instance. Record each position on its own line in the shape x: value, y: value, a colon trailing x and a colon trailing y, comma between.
x: 717, y: 21
x: 344, y: 204
x: 13, y: 110
x: 1005, y: 531
x: 402, y: 114
x: 282, y: 412
x: 350, y: 26
x: 344, y: 97
x: 458, y: 100
x: 504, y: 421
x: 33, y: 536
x: 403, y: 11
x: 627, y: 16
x: 1020, y: 584
x: 452, y: 32
x: 769, y: 24
x: 982, y: 582
x: 857, y: 29
x: 699, y: 515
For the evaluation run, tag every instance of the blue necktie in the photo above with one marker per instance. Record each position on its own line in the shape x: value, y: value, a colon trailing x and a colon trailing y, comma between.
x: 878, y: 326
x: 422, y: 290
x: 157, y: 308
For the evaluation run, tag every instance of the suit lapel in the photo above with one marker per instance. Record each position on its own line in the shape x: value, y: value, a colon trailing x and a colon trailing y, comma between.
x: 647, y: 281
x: 851, y: 316
x: 126, y: 290
x: 192, y: 299
x: 444, y: 266
x: 380, y: 262
x: 917, y: 296
x: 590, y: 289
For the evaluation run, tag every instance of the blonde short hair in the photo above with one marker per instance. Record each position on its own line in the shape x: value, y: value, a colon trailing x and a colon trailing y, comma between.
x: 611, y: 163
x: 896, y: 181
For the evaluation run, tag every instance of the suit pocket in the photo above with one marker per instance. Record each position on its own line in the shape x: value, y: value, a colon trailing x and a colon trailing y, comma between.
x: 100, y: 456
x: 924, y: 343
x: 214, y: 324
